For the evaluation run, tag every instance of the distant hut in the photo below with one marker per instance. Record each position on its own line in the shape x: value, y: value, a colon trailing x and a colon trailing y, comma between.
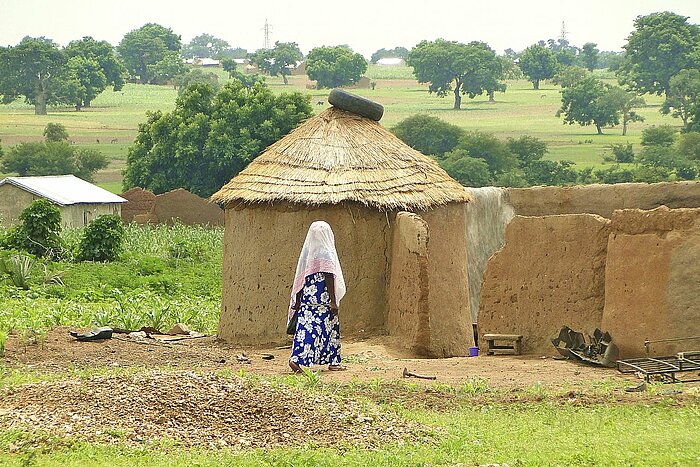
x: 406, y: 275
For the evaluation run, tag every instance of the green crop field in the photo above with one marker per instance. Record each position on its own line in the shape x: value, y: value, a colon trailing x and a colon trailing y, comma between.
x: 111, y: 124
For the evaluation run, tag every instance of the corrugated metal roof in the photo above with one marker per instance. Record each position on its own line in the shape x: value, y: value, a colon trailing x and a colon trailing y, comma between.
x: 64, y: 189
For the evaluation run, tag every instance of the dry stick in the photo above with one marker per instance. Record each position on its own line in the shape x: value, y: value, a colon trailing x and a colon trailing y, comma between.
x: 409, y: 374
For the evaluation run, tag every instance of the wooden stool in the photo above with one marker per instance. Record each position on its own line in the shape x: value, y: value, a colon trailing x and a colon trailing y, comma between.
x: 516, y: 347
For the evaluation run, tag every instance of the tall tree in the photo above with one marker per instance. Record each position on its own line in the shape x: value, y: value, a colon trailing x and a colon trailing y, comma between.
x: 661, y: 45
x: 205, y: 46
x: 538, y: 63
x: 450, y: 66
x: 210, y: 137
x: 91, y: 78
x: 142, y: 48
x: 335, y: 66
x: 36, y: 69
x: 589, y: 55
x: 683, y: 97
x: 102, y: 53
x: 588, y: 103
x: 279, y: 60
x: 625, y: 101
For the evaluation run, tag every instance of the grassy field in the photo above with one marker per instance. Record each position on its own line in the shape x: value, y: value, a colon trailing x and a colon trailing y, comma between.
x: 111, y: 124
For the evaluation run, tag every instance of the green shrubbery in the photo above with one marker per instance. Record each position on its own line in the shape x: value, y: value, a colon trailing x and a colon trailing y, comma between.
x: 39, y: 231
x: 102, y: 239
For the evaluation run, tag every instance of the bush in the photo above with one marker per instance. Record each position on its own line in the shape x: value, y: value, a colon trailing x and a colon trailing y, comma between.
x: 614, y: 174
x: 663, y: 135
x: 429, y: 135
x: 624, y: 154
x: 39, y: 230
x: 102, y: 240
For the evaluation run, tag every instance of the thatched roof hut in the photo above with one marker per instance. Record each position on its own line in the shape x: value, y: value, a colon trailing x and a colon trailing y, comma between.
x: 351, y: 172
x: 340, y: 156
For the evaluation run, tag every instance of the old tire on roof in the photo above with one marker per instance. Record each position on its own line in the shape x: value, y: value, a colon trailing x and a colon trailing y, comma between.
x: 356, y: 104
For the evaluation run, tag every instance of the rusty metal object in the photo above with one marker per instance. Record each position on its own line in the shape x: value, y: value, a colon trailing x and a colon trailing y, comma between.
x: 410, y: 374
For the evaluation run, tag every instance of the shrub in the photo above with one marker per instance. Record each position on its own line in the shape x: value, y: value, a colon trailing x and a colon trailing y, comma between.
x: 428, y: 134
x: 663, y: 135
x: 39, y: 230
x: 623, y: 152
x: 102, y: 240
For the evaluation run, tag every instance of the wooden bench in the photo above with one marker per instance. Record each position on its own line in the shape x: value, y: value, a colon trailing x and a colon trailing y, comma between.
x: 515, y: 345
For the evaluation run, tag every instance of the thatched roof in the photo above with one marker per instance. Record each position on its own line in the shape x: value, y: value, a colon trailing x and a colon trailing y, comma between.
x: 340, y: 156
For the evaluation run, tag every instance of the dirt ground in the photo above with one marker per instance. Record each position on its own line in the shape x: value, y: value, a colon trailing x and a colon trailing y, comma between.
x: 187, y: 392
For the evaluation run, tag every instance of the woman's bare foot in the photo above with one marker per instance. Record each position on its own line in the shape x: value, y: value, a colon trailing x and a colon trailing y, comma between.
x: 295, y: 367
x: 337, y: 367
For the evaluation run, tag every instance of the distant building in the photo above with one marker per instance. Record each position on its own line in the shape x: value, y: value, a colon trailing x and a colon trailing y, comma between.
x: 203, y: 62
x: 391, y: 61
x: 79, y: 201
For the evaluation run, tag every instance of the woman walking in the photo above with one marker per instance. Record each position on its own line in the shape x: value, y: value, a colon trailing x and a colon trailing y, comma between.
x: 318, y: 288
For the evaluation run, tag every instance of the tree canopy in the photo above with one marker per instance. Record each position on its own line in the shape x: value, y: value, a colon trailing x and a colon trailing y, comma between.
x: 661, y: 45
x: 588, y: 103
x: 589, y: 55
x: 90, y: 59
x: 279, y: 60
x: 450, y: 66
x: 205, y: 46
x: 210, y: 136
x: 396, y: 52
x: 428, y: 134
x: 683, y: 97
x: 538, y: 63
x: 142, y: 49
x: 335, y: 66
x: 36, y: 69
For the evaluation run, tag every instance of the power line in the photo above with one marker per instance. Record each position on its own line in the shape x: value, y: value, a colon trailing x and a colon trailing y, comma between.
x: 267, y: 30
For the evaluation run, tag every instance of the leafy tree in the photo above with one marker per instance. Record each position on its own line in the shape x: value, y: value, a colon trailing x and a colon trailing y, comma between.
x: 589, y: 55
x: 210, y: 137
x: 102, y: 239
x: 588, y: 103
x: 396, y: 52
x: 196, y: 75
x: 662, y: 135
x: 229, y: 65
x: 428, y: 134
x: 625, y: 102
x: 167, y: 68
x: 467, y: 170
x: 141, y: 49
x: 205, y: 46
x: 35, y: 69
x: 39, y: 230
x: 544, y: 172
x: 55, y: 132
x: 538, y: 63
x: 689, y: 145
x: 614, y: 174
x: 489, y: 148
x: 234, y: 52
x: 610, y: 60
x: 683, y: 96
x: 335, y: 66
x: 527, y: 149
x: 104, y: 55
x: 279, y: 60
x: 623, y: 153
x: 661, y: 45
x: 450, y: 66
x: 91, y: 78
x: 569, y: 76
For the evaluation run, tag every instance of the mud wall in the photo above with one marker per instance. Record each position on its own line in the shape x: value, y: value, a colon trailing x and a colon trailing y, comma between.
x: 261, y: 248
x: 653, y: 280
x: 448, y: 301
x: 603, y: 199
x: 139, y: 202
x: 550, y: 273
x: 408, y: 319
x: 12, y: 201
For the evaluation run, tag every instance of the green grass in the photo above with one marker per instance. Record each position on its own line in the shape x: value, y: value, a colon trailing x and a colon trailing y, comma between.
x: 527, y: 434
x: 114, y: 117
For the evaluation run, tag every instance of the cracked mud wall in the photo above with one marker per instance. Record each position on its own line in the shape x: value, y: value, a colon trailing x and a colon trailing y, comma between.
x: 603, y: 199
x: 653, y: 280
x: 140, y: 202
x: 261, y: 248
x: 549, y: 273
x: 408, y: 318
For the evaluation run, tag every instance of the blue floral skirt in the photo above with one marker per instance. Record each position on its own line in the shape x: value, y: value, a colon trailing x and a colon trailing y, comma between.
x: 317, y: 339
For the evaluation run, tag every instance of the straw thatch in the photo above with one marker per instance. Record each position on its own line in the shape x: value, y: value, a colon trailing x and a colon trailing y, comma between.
x: 339, y: 156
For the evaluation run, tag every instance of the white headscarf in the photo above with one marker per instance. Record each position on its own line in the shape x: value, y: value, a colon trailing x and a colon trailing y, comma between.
x: 318, y: 255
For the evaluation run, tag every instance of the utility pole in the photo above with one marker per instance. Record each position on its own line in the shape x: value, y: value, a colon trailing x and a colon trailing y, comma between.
x: 564, y: 32
x: 266, y: 41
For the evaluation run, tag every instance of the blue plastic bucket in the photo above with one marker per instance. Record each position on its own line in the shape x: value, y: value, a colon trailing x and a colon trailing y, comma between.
x: 473, y: 351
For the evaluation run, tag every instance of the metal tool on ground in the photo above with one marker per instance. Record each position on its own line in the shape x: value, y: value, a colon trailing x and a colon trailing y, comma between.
x: 664, y: 368
x: 410, y: 374
x: 600, y: 349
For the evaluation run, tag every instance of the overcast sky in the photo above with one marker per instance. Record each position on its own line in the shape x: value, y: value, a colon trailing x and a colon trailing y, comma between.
x: 365, y: 25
